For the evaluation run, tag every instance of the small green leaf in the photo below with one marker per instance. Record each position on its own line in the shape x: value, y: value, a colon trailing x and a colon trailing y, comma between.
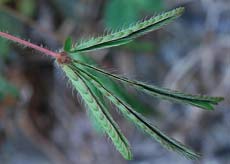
x: 68, y: 44
x: 127, y: 35
x: 204, y: 102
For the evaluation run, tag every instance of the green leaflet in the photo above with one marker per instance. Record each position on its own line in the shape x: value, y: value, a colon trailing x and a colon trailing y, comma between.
x: 97, y: 110
x: 203, y: 102
x: 87, y: 59
x: 127, y: 35
x: 68, y: 44
x: 114, y: 87
x: 137, y: 119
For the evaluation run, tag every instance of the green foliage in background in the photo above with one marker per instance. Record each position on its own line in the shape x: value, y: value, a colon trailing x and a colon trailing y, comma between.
x: 129, y: 11
x: 26, y: 7
x: 11, y: 23
x: 7, y: 89
x: 119, y: 13
x: 4, y: 1
x: 8, y: 23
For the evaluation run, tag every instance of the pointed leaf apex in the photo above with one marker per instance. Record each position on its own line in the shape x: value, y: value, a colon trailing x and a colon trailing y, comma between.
x: 68, y: 44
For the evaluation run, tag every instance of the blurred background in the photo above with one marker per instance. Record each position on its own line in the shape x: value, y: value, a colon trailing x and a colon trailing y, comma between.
x: 42, y: 121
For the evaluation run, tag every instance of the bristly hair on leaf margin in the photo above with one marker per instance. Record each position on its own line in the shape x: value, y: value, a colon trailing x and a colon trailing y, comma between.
x: 126, y: 35
x: 88, y: 80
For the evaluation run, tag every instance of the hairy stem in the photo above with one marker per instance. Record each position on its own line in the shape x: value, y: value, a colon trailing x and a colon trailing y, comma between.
x: 31, y: 45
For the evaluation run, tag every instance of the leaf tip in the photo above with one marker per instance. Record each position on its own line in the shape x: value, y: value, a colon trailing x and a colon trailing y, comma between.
x: 68, y: 44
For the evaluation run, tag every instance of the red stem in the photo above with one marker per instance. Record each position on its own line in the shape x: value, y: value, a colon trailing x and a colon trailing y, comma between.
x: 31, y: 45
